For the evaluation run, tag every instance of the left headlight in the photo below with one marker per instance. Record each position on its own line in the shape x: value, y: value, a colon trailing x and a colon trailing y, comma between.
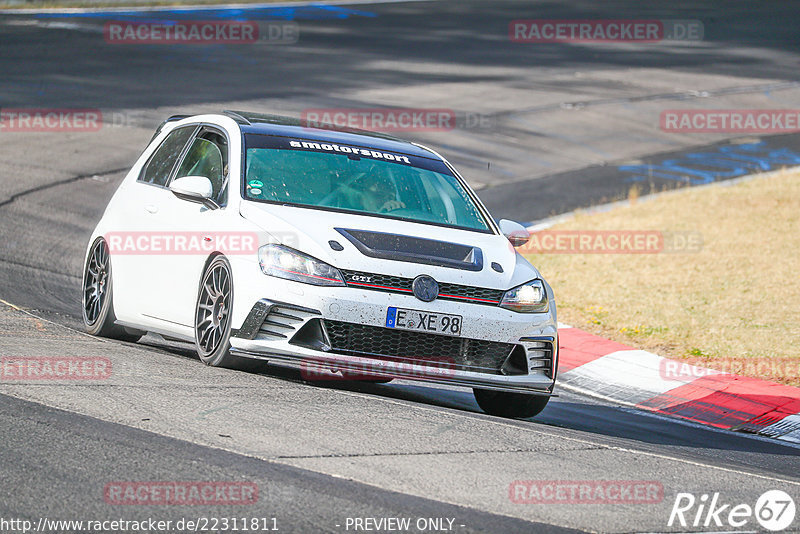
x: 285, y: 262
x: 527, y: 298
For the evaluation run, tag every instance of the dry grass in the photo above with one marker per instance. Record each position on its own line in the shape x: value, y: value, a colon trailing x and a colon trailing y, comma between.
x: 734, y: 306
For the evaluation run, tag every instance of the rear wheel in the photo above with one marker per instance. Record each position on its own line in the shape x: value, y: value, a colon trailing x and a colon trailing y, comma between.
x: 98, y: 306
x: 212, y: 325
x: 512, y: 405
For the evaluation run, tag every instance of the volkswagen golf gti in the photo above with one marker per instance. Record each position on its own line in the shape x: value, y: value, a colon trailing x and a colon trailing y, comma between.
x: 345, y: 254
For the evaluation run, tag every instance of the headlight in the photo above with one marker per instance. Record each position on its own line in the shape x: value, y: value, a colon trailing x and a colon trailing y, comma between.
x: 285, y: 262
x: 527, y: 298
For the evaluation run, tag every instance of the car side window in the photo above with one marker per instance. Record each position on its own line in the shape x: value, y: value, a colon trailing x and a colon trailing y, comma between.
x: 207, y: 156
x: 163, y: 160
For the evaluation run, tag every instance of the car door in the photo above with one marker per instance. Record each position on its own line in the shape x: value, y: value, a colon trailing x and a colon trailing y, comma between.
x: 133, y: 259
x: 195, y: 227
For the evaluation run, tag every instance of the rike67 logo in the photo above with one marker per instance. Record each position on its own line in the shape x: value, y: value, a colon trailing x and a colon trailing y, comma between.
x: 774, y: 510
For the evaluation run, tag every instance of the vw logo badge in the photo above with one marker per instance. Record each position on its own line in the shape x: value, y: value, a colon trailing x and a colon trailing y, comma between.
x: 425, y: 288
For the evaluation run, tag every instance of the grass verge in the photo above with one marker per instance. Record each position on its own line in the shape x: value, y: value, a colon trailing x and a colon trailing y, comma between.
x: 732, y: 305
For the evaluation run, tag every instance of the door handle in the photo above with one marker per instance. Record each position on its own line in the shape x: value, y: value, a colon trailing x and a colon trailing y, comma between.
x: 151, y: 208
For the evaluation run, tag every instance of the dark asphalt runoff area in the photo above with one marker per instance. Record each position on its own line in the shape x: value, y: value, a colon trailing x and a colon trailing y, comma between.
x: 542, y: 129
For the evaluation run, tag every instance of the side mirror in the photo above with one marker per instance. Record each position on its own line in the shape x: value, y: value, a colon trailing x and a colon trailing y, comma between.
x: 514, y: 232
x: 194, y: 189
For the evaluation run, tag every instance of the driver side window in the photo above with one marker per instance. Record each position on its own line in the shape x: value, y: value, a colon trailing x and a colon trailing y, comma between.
x: 162, y: 161
x: 207, y: 156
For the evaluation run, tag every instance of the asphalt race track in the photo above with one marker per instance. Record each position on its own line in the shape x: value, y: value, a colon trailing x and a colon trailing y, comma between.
x: 543, y: 129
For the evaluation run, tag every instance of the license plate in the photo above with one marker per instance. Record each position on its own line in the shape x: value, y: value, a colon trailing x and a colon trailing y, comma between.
x: 423, y: 321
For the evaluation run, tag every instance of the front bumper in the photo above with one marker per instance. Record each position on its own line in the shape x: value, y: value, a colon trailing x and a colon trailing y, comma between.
x: 309, y: 337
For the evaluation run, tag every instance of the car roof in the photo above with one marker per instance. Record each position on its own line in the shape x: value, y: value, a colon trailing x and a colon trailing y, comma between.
x: 278, y: 125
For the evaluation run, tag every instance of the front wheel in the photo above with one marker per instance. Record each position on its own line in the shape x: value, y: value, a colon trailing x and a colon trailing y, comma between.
x: 98, y: 306
x: 212, y: 325
x: 512, y: 405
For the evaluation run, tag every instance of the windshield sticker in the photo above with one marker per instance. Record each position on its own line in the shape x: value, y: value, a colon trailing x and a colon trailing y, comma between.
x: 256, y: 184
x: 326, y: 147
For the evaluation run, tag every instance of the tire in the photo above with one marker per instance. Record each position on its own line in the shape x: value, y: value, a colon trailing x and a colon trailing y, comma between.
x: 212, y: 325
x: 511, y: 405
x: 97, y: 301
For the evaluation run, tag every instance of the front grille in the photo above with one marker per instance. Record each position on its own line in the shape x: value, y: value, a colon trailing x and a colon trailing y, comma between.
x: 398, y: 284
x: 479, y: 294
x: 385, y: 282
x: 401, y: 345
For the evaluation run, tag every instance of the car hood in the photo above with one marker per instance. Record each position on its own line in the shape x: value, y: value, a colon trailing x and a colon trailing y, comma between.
x: 310, y: 231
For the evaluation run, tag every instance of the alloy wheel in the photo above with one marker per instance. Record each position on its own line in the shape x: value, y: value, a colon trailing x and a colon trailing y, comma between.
x: 213, y: 308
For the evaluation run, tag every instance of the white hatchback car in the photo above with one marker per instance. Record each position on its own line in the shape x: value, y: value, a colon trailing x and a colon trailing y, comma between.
x: 346, y: 254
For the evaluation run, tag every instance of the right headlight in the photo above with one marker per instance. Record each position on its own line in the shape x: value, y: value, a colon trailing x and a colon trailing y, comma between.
x: 530, y: 297
x: 285, y: 262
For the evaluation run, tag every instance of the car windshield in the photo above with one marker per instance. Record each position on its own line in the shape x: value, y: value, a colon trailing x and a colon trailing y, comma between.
x: 346, y: 178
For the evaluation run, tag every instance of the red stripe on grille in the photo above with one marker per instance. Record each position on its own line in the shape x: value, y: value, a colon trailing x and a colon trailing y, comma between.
x: 379, y: 287
x: 404, y: 290
x: 469, y: 298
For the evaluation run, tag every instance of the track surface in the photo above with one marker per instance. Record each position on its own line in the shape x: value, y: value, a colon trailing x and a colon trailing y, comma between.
x: 321, y: 455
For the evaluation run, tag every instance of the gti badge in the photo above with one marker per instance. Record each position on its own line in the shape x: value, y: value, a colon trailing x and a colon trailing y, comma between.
x: 425, y: 288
